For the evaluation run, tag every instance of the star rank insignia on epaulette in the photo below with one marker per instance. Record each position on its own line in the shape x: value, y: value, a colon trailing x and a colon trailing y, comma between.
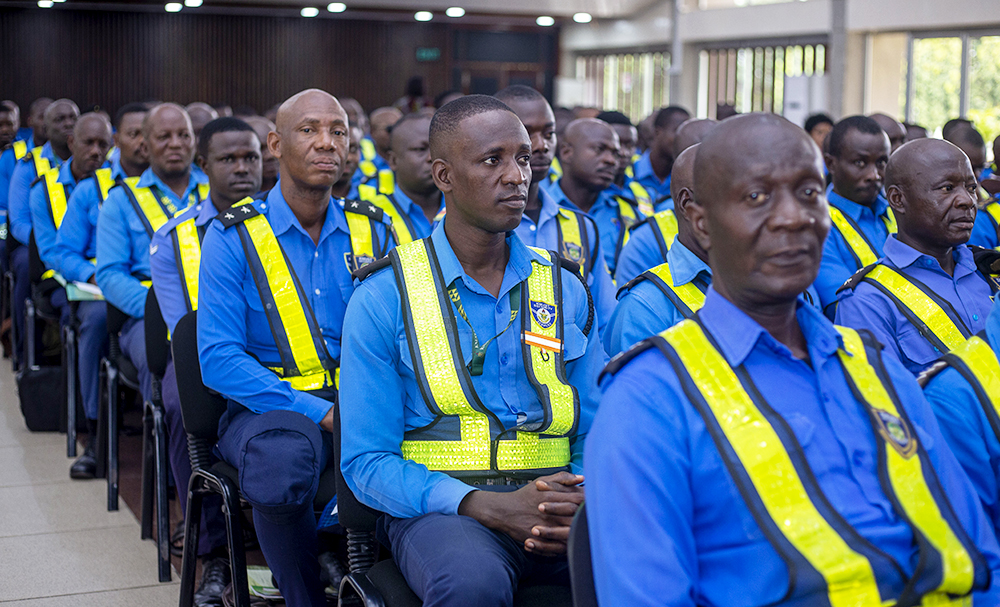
x: 363, y: 207
x: 237, y: 214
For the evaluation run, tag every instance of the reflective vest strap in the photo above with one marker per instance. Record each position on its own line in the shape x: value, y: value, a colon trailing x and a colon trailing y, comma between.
x: 104, y: 182
x: 402, y: 227
x: 542, y: 350
x: 687, y: 298
x: 665, y: 228
x: 993, y: 212
x: 289, y: 313
x: 938, y: 324
x: 627, y: 218
x: 146, y: 206
x: 978, y: 364
x: 642, y: 198
x: 555, y: 170
x: 203, y: 192
x: 367, y: 192
x: 434, y: 345
x: 42, y: 164
x: 56, y: 193
x: 737, y: 425
x: 904, y: 475
x: 864, y: 253
x: 187, y: 250
x: 889, y: 219
x: 20, y: 149
x: 573, y: 240
x: 368, y: 151
x: 386, y: 182
x: 362, y: 239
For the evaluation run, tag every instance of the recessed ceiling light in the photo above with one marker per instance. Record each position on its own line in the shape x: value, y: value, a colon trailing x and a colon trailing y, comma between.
x: 336, y: 7
x: 455, y: 12
x: 173, y: 7
x: 45, y: 3
x: 545, y: 21
x: 309, y: 11
x: 58, y: 1
x: 193, y: 3
x: 423, y: 15
x: 582, y: 18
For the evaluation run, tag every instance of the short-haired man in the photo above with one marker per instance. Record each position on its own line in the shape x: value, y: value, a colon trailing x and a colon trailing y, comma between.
x: 10, y: 122
x: 856, y: 155
x: 652, y: 170
x: 628, y: 140
x: 926, y: 295
x: 201, y: 114
x: 533, y: 384
x: 346, y: 187
x: 262, y: 126
x: 758, y: 455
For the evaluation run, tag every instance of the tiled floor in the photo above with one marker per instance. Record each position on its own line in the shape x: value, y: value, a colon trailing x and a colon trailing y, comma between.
x: 59, y: 546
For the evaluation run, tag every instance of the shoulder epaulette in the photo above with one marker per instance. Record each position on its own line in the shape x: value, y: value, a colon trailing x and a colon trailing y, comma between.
x: 853, y: 281
x: 366, y: 271
x: 236, y: 214
x: 627, y: 286
x: 27, y: 156
x: 9, y: 146
x: 362, y: 207
x: 987, y: 260
x: 643, y: 221
x: 568, y: 264
x: 931, y: 372
x: 623, y: 358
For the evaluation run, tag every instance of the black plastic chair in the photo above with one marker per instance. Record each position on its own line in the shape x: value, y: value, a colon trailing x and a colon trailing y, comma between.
x: 117, y: 372
x: 379, y: 583
x: 38, y: 305
x: 154, y: 439
x: 8, y: 282
x: 581, y: 567
x: 202, y: 409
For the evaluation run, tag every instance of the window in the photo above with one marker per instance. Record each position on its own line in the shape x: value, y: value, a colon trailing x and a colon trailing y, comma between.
x: 632, y: 83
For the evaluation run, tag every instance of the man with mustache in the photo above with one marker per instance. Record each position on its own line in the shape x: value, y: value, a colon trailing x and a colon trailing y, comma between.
x: 464, y: 527
x: 925, y: 296
x: 757, y: 454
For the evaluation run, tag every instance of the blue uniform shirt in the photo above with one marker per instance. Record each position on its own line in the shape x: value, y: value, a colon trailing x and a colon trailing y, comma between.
x: 604, y: 212
x: 545, y: 235
x: 41, y: 216
x: 868, y: 308
x: 7, y: 164
x: 838, y: 261
x: 644, y: 310
x: 640, y: 253
x: 163, y: 262
x: 234, y: 337
x: 76, y: 242
x: 421, y: 226
x: 123, y: 244
x: 18, y: 203
x: 984, y: 232
x: 966, y: 427
x: 642, y: 171
x: 376, y: 354
x: 657, y: 484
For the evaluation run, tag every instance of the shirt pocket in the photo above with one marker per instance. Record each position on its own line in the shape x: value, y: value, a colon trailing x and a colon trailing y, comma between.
x: 135, y: 225
x: 575, y: 342
x: 915, y: 346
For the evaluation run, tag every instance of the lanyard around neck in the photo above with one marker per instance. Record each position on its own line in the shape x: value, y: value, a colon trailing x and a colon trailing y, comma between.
x: 479, y: 350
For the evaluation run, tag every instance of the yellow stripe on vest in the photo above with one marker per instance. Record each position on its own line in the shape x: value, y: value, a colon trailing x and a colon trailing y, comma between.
x: 690, y: 295
x: 150, y: 207
x: 920, y: 304
x: 572, y: 240
x: 104, y: 182
x: 982, y: 362
x: 862, y: 250
x: 189, y: 262
x: 401, y: 232
x: 57, y: 196
x: 362, y: 239
x: 642, y: 198
x: 386, y: 181
x: 906, y: 474
x: 42, y: 164
x: 666, y: 222
x: 849, y: 577
x: 20, y: 149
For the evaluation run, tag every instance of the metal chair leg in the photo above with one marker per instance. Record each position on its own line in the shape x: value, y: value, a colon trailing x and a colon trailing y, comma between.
x: 101, y: 440
x: 29, y: 333
x: 71, y: 392
x: 162, y: 506
x: 112, y: 426
x: 192, y: 531
x: 237, y: 552
x: 148, y: 451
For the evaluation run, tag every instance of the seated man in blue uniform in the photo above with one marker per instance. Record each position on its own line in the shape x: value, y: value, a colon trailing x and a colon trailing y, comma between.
x: 545, y: 224
x: 9, y: 158
x: 464, y: 529
x: 345, y: 186
x: 413, y: 201
x: 262, y: 126
x: 926, y: 296
x: 60, y: 117
x: 269, y: 333
x: 963, y: 391
x: 758, y: 455
x: 652, y: 170
x: 624, y: 184
x: 134, y: 212
x: 861, y: 218
x: 672, y: 290
x: 229, y: 155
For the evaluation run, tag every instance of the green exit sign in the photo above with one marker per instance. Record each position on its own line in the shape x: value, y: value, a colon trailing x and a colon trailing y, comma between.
x: 428, y: 53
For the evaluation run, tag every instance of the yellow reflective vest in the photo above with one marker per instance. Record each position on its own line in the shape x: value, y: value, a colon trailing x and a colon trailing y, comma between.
x: 975, y: 361
x: 664, y: 226
x: 467, y: 441
x: 153, y: 210
x: 864, y: 252
x: 768, y: 467
x: 687, y: 298
x: 992, y: 210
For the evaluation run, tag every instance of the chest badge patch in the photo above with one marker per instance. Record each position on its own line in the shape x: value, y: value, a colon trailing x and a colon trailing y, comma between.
x: 356, y: 262
x: 897, y: 433
x: 573, y: 251
x: 544, y: 314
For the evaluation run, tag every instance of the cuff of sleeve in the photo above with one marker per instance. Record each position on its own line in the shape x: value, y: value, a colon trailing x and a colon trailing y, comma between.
x: 313, y: 407
x: 447, y: 495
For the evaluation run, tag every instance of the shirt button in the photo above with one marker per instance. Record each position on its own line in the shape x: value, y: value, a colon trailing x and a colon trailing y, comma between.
x: 503, y: 359
x: 316, y: 254
x: 263, y: 206
x: 975, y: 317
x: 499, y: 308
x: 532, y: 228
x: 317, y: 291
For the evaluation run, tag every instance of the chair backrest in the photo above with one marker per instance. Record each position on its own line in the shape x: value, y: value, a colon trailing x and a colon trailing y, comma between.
x: 116, y: 320
x: 581, y: 568
x: 157, y: 344
x: 35, y: 266
x: 352, y: 514
x: 200, y: 408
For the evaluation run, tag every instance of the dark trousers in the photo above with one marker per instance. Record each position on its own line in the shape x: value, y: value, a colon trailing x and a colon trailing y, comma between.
x: 213, y: 525
x: 91, y: 346
x: 22, y: 289
x: 280, y: 456
x: 132, y: 340
x: 454, y: 561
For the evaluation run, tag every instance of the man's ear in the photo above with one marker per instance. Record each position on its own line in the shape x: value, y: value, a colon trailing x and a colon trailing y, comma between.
x: 829, y: 160
x: 897, y: 200
x: 70, y: 140
x: 201, y: 161
x: 392, y: 160
x: 274, y: 144
x: 685, y: 198
x: 441, y: 172
x: 695, y: 214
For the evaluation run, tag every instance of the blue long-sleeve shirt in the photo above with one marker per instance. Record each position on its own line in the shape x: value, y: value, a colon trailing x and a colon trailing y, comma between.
x: 642, y: 171
x: 234, y: 337
x: 605, y: 212
x: 123, y: 244
x: 44, y: 227
x: 644, y: 310
x: 640, y: 253
x: 7, y: 163
x: 545, y: 235
x: 868, y: 308
x: 163, y: 262
x: 76, y: 241
x: 838, y: 262
x: 18, y: 203
x: 376, y: 354
x: 984, y: 231
x: 657, y: 484
x: 967, y: 429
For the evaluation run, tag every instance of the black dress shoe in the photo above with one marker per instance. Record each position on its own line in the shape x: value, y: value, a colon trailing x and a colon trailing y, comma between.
x: 85, y: 466
x: 214, y: 578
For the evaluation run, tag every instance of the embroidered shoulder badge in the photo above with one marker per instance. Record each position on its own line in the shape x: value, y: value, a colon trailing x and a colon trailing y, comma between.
x: 544, y: 314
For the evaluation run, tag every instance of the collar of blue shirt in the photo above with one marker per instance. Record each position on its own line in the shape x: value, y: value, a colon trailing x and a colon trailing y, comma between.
x: 736, y: 333
x: 149, y: 179
x: 604, y: 198
x: 854, y: 209
x: 903, y: 255
x: 993, y: 325
x: 684, y: 264
x: 519, y: 263
x: 66, y: 173
x: 643, y: 169
x: 281, y: 218
x: 407, y: 204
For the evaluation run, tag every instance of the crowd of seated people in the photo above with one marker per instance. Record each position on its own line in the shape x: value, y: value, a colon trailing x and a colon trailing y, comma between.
x: 765, y: 354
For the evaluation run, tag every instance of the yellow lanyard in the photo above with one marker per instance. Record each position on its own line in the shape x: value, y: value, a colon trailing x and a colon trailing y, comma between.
x: 479, y: 351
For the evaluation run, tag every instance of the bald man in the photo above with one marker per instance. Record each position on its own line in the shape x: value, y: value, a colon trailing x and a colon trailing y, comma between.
x: 465, y: 531
x: 652, y: 169
x: 624, y: 183
x: 279, y: 379
x: 893, y: 128
x: 382, y: 120
x: 925, y: 296
x: 262, y: 126
x: 200, y: 114
x: 758, y: 455
x: 689, y: 133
